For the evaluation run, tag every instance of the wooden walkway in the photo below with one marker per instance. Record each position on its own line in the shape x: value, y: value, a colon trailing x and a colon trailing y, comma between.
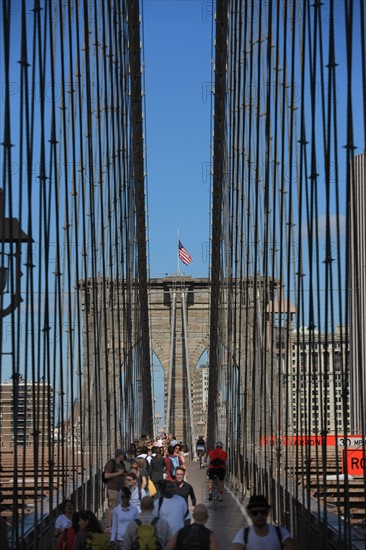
x: 227, y: 518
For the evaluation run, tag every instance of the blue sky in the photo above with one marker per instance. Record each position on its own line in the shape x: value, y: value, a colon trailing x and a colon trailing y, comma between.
x: 177, y: 51
x: 177, y: 37
x: 177, y: 40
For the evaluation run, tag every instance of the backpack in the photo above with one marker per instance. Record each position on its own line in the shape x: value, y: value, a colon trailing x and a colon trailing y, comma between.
x: 146, y: 537
x: 193, y: 537
x: 174, y: 460
x: 278, y: 531
x: 104, y: 479
x: 218, y: 462
x: 97, y: 541
x: 151, y: 488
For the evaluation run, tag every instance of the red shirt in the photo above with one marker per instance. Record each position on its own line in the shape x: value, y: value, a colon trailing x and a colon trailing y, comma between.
x: 220, y: 454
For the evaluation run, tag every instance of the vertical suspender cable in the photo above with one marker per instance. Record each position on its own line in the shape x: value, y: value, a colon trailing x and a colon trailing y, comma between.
x: 217, y: 192
x: 171, y: 363
x: 188, y: 372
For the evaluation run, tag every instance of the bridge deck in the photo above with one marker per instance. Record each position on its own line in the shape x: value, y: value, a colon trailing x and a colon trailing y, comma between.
x: 227, y: 518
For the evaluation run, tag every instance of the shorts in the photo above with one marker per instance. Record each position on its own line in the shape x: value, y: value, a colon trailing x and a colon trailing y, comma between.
x: 113, y: 497
x: 219, y: 472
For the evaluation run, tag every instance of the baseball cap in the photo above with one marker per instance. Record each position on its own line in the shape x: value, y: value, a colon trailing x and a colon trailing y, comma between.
x: 257, y: 501
x: 219, y: 444
x: 119, y: 452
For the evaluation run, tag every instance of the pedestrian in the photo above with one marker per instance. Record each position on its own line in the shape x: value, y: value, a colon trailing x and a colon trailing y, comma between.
x: 132, y: 449
x: 123, y: 514
x: 195, y: 535
x: 162, y: 529
x: 64, y: 520
x: 114, y: 472
x: 183, y: 488
x: 261, y: 535
x: 178, y: 451
x: 172, y: 461
x: 67, y: 538
x: 172, y: 507
x: 157, y: 466
x: 128, y: 460
x: 141, y: 472
x: 172, y: 439
x: 137, y: 493
x: 90, y: 532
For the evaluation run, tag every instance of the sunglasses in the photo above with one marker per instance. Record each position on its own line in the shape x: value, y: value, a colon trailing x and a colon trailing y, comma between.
x: 134, y: 468
x: 256, y: 512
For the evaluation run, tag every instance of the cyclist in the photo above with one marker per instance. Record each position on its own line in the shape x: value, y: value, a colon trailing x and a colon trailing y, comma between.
x: 217, y: 462
x: 200, y: 449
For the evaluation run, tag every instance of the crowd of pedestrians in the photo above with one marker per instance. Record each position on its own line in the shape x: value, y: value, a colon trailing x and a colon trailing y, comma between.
x: 152, y: 505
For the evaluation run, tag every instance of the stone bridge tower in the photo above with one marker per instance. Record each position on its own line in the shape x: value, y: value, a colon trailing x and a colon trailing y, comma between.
x: 179, y: 308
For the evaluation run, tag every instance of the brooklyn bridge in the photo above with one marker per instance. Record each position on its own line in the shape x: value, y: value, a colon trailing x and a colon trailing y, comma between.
x: 266, y: 351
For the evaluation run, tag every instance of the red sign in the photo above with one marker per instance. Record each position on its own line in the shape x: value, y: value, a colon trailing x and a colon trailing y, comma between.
x: 312, y: 440
x: 355, y: 460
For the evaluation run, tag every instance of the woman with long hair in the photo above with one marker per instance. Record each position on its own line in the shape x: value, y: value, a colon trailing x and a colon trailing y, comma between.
x: 67, y: 538
x: 139, y: 467
x: 89, y: 525
x: 63, y: 521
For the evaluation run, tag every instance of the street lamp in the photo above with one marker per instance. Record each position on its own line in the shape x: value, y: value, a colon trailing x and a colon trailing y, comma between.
x: 10, y: 232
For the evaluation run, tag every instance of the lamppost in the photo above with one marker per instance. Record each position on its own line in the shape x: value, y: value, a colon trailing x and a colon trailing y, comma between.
x: 10, y: 233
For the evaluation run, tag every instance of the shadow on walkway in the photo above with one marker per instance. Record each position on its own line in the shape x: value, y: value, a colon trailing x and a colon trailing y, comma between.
x: 227, y: 518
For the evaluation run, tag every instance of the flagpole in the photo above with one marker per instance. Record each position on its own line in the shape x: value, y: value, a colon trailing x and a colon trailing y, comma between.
x: 178, y: 248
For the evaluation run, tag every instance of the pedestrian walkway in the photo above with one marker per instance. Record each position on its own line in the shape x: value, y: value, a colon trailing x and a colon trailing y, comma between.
x: 227, y: 518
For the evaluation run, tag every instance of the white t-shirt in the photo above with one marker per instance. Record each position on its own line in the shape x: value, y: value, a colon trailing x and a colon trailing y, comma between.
x: 63, y: 522
x: 269, y: 542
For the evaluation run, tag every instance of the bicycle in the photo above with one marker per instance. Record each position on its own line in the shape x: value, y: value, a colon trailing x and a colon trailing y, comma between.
x: 214, y: 496
x: 200, y: 455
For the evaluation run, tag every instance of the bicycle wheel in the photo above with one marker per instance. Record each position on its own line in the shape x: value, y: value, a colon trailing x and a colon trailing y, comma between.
x: 215, y: 492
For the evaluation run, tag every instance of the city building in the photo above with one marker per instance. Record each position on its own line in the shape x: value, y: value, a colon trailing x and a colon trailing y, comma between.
x: 319, y: 383
x: 200, y: 400
x: 26, y: 413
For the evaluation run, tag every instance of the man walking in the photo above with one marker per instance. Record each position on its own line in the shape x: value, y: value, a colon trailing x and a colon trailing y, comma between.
x: 183, y: 488
x: 172, y: 507
x: 261, y: 534
x: 162, y: 529
x: 196, y: 535
x: 114, y: 472
x: 137, y: 493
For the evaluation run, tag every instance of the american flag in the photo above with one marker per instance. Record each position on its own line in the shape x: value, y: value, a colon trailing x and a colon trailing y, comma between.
x: 183, y: 254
